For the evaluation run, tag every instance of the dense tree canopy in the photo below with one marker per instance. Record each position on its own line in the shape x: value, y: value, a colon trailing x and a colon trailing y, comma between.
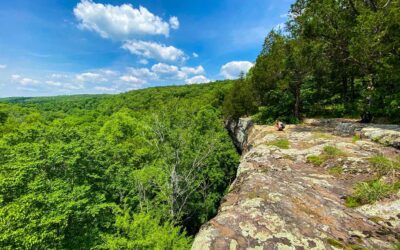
x: 140, y: 170
x: 334, y: 58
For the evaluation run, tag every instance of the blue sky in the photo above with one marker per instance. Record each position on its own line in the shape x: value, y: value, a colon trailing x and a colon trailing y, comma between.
x: 57, y: 47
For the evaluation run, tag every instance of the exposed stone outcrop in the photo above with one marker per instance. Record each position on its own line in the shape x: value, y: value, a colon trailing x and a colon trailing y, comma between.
x: 239, y: 130
x: 386, y: 134
x: 281, y: 201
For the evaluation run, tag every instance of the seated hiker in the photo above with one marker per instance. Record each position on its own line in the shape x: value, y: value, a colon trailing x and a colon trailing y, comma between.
x: 279, y: 125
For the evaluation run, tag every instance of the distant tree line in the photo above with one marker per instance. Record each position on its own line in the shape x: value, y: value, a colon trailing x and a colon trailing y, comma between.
x: 333, y: 59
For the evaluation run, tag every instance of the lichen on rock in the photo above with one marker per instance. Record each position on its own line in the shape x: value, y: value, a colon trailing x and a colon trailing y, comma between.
x: 279, y: 200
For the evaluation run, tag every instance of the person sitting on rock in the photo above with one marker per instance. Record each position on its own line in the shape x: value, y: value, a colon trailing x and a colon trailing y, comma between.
x: 279, y: 125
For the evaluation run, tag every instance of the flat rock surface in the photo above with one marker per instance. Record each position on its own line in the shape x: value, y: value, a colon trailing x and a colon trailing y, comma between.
x: 281, y: 201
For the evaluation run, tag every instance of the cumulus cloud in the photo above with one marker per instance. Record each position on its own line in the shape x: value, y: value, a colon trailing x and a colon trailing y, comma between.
x: 195, y: 55
x: 3, y: 66
x: 233, y: 69
x: 143, y: 61
x: 195, y: 71
x: 197, y: 79
x: 104, y: 89
x: 90, y: 77
x: 131, y: 79
x: 169, y: 71
x: 153, y: 50
x: 121, y: 22
x: 174, y: 22
x: 142, y: 73
x: 24, y: 81
x: 54, y: 83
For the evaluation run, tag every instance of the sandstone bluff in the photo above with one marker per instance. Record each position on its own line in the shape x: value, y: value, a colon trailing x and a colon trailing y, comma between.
x: 281, y: 201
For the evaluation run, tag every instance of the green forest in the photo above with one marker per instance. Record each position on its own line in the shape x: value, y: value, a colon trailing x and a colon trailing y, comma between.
x: 145, y: 169
x: 140, y: 170
x: 332, y: 59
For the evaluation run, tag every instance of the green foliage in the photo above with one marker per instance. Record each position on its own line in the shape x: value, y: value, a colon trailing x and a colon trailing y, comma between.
x: 328, y: 152
x: 334, y: 59
x: 145, y: 231
x: 280, y: 143
x: 70, y: 165
x: 384, y: 165
x: 331, y: 151
x: 371, y: 191
x: 356, y: 138
x: 337, y: 170
x: 335, y: 243
x: 316, y: 160
x: 240, y: 102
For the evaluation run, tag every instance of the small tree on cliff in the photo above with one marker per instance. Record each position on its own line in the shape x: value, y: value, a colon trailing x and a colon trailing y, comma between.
x: 240, y: 100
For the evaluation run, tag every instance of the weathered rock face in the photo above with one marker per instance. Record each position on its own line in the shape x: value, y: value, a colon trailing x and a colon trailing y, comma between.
x: 388, y: 135
x: 239, y: 130
x: 280, y: 201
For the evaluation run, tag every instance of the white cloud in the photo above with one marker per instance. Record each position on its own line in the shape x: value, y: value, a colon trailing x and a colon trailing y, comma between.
x: 167, y: 70
x: 104, y: 89
x: 15, y: 77
x: 131, y: 79
x: 3, y: 66
x: 197, y: 79
x: 121, y: 22
x: 233, y: 69
x: 142, y: 73
x: 174, y: 72
x: 54, y: 83
x: 90, y: 77
x: 195, y: 55
x: 143, y: 61
x: 24, y: 81
x: 109, y: 72
x: 195, y: 71
x: 174, y: 22
x: 152, y: 50
x: 68, y: 86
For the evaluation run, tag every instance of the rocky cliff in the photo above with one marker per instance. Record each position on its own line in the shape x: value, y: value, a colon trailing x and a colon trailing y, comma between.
x: 291, y: 189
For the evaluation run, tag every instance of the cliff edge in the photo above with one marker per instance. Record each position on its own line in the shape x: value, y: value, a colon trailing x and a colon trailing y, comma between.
x: 291, y: 189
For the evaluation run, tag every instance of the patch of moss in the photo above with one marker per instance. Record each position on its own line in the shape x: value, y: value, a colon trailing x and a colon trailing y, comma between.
x: 316, y: 160
x: 396, y: 246
x: 336, y: 171
x: 335, y: 243
x: 280, y: 143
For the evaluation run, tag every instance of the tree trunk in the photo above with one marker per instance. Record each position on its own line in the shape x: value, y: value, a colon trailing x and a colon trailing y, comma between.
x: 297, y: 100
